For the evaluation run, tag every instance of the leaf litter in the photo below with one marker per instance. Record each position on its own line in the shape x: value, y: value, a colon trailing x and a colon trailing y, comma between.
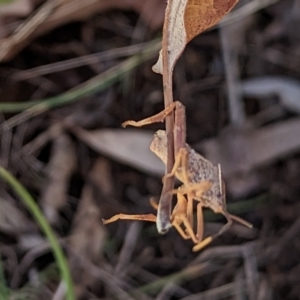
x: 88, y: 233
x: 257, y: 265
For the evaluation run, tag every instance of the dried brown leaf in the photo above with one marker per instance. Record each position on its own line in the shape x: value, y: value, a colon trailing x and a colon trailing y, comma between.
x: 285, y: 88
x: 60, y: 168
x: 246, y: 149
x: 88, y: 233
x: 174, y: 36
x: 12, y: 220
x: 201, y: 15
x: 127, y: 146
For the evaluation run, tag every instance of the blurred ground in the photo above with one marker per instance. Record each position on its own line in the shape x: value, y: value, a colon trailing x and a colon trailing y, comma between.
x: 241, y: 87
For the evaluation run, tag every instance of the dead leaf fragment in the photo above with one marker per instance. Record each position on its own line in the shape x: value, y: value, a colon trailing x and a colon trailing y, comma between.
x: 88, y: 233
x: 260, y: 146
x: 127, y: 146
x: 174, y: 35
x: 203, y: 14
x: 285, y: 88
x: 12, y: 220
x: 61, y: 166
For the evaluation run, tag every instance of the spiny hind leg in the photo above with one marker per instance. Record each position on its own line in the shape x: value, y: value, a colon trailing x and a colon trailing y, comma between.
x: 188, y: 233
x: 209, y: 239
x: 183, y: 234
x: 240, y: 220
x: 191, y: 190
x: 185, y: 173
x: 189, y: 210
x: 200, y: 223
x: 153, y: 203
x: 179, y: 216
x: 146, y: 217
x: 230, y: 218
x: 160, y: 117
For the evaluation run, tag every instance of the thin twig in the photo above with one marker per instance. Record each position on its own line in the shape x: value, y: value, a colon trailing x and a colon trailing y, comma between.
x: 127, y: 249
x: 221, y: 292
x: 163, y: 222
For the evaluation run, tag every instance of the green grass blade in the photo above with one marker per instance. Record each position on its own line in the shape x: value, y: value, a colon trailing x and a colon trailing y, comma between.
x: 31, y: 205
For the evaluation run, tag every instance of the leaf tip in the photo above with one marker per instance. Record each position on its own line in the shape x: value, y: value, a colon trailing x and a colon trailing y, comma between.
x: 158, y: 68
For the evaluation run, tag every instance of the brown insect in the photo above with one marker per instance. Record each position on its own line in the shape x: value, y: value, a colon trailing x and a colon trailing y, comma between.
x: 201, y: 181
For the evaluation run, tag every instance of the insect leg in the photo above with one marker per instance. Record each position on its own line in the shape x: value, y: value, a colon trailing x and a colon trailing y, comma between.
x: 146, y: 217
x: 160, y: 117
x: 179, y: 216
x: 240, y: 220
x: 200, y: 222
x: 176, y: 165
x: 209, y: 239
